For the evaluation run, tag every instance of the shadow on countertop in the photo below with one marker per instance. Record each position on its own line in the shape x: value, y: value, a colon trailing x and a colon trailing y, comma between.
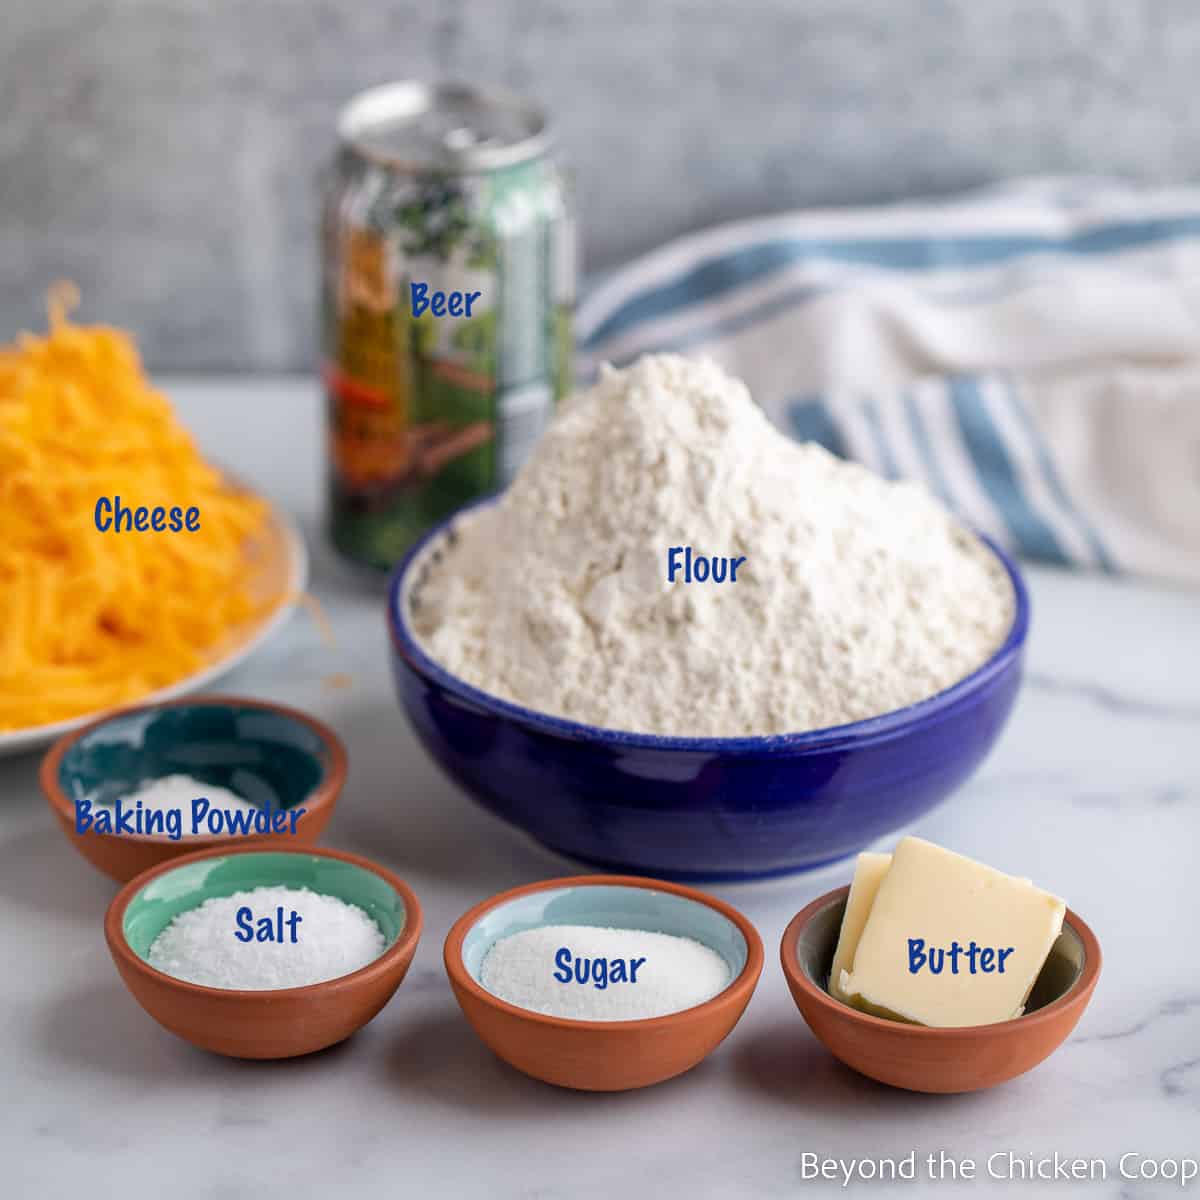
x: 41, y: 872
x: 786, y: 1063
x: 437, y: 1056
x: 399, y: 809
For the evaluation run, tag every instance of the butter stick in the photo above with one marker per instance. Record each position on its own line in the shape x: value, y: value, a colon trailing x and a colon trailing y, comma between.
x: 869, y: 870
x: 949, y: 941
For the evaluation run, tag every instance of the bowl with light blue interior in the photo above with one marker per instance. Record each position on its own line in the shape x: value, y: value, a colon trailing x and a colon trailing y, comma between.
x: 603, y: 1055
x: 701, y: 808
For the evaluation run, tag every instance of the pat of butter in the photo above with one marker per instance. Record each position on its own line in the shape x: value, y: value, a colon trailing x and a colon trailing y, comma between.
x: 869, y: 870
x: 949, y: 941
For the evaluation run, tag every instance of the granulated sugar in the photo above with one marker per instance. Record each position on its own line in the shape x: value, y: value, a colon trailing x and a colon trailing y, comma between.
x: 528, y: 969
x: 201, y: 946
x: 858, y: 596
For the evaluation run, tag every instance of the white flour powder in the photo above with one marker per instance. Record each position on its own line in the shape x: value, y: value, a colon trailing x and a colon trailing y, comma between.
x: 592, y: 974
x: 858, y: 596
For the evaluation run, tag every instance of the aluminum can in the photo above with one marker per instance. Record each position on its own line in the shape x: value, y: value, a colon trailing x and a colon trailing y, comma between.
x: 447, y: 298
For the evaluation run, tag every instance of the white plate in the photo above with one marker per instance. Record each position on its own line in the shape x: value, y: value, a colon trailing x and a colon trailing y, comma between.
x: 280, y: 564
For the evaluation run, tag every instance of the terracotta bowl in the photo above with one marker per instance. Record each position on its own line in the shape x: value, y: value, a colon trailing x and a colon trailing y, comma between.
x: 262, y: 1024
x: 262, y: 751
x: 603, y: 1056
x: 921, y: 1059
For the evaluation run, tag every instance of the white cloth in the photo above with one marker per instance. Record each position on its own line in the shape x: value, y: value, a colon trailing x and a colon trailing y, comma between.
x: 1030, y: 351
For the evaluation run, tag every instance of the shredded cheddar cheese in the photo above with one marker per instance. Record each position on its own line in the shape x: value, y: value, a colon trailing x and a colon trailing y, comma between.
x: 92, y: 620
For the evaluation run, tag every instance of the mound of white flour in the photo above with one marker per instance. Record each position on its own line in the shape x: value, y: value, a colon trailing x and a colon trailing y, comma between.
x: 858, y: 596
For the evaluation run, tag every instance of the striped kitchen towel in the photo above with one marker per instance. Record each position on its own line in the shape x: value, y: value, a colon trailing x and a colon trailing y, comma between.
x: 1030, y: 351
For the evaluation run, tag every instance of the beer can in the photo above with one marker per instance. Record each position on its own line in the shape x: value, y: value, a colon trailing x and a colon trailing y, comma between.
x: 448, y: 291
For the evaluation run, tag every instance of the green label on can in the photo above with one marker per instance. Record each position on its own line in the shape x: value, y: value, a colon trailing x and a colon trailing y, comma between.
x: 431, y: 407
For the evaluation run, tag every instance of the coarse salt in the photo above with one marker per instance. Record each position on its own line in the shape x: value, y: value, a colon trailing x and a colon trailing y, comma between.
x: 200, y: 946
x: 677, y: 972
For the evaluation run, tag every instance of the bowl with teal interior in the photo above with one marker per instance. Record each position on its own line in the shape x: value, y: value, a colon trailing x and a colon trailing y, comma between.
x: 701, y: 808
x: 279, y: 1023
x: 603, y: 1055
x: 288, y: 764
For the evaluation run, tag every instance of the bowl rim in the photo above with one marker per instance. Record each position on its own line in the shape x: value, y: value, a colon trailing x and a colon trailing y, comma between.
x: 1077, y: 994
x: 322, y: 797
x: 854, y: 733
x: 403, y: 947
x: 737, y: 991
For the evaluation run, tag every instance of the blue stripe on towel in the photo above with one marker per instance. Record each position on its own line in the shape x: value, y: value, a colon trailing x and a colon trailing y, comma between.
x: 723, y: 327
x: 1054, y: 481
x: 985, y: 445
x: 811, y: 421
x: 887, y: 460
x: 924, y: 444
x: 747, y: 264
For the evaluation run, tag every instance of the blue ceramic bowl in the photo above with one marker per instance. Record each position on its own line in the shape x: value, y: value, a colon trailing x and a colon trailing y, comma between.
x: 701, y: 808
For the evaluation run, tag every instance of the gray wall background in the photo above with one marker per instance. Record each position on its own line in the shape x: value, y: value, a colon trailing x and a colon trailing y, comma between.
x: 163, y: 153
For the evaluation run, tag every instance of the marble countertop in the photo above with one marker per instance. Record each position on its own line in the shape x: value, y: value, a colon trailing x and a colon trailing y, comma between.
x: 1093, y: 791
